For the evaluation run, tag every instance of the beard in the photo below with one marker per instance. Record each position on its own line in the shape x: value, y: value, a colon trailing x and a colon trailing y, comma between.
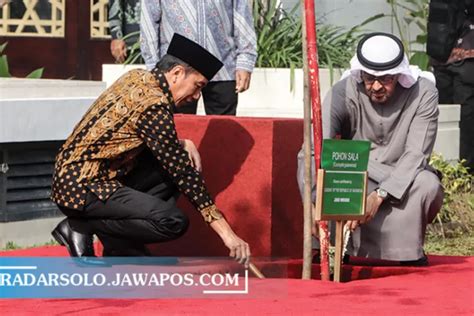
x: 378, y: 96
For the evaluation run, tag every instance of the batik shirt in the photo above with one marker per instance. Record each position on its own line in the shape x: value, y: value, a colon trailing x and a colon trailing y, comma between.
x: 136, y: 111
x: 224, y: 27
x: 124, y: 19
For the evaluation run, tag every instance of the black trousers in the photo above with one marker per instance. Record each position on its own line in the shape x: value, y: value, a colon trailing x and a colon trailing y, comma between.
x: 455, y: 83
x: 219, y: 97
x: 143, y: 211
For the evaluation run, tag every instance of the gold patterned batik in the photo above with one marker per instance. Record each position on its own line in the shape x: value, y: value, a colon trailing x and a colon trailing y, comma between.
x: 136, y: 111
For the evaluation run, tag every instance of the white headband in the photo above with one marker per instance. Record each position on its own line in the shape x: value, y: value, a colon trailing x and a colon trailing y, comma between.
x: 407, y: 75
x: 385, y: 49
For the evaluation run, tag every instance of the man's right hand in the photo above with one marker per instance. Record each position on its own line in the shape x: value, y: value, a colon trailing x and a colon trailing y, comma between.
x: 118, y: 48
x: 372, y: 206
x: 239, y: 249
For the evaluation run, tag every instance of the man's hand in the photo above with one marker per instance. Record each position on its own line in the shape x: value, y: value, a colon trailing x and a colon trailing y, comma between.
x: 239, y: 249
x: 242, y: 80
x: 118, y: 50
x: 372, y: 206
x: 193, y: 153
x: 352, y: 225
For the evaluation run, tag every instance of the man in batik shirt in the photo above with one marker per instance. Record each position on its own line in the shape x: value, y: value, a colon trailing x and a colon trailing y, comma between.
x: 118, y: 173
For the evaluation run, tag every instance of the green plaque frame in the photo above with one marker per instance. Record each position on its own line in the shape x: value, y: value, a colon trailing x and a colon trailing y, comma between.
x: 342, y: 181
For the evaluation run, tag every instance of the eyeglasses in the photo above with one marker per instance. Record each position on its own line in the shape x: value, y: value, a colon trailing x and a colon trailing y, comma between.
x: 383, y: 80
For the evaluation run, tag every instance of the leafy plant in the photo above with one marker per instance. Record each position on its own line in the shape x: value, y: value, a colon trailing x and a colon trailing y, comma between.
x: 457, y: 212
x: 279, y: 38
x: 408, y: 13
x: 5, y: 70
x: 134, y: 55
x: 11, y: 245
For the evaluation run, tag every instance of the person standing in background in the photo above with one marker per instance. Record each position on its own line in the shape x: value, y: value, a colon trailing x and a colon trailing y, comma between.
x: 124, y: 19
x: 450, y: 44
x: 225, y: 28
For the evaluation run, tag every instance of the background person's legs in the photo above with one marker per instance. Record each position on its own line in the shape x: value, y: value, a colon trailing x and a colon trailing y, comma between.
x: 188, y: 108
x: 464, y: 94
x: 455, y: 83
x: 220, y: 98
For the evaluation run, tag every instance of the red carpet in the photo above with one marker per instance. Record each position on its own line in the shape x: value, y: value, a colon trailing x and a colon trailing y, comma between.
x: 249, y: 166
x: 446, y: 287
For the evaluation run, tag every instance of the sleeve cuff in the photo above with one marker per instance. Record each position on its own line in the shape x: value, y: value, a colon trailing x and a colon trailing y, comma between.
x: 245, y: 64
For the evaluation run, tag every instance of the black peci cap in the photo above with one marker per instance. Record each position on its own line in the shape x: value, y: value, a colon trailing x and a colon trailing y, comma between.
x: 194, y: 55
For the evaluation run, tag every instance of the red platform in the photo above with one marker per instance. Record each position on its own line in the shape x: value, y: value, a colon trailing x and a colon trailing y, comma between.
x: 249, y: 165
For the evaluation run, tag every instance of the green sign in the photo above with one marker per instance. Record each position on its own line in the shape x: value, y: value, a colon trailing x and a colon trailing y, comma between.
x: 345, y: 155
x: 345, y: 177
x: 343, y: 193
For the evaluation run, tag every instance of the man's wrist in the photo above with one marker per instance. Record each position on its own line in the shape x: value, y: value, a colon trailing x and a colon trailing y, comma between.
x: 211, y: 214
x: 381, y: 194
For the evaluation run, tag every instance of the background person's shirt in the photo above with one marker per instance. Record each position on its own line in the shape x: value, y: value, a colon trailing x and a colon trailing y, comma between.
x: 224, y: 28
x: 124, y: 19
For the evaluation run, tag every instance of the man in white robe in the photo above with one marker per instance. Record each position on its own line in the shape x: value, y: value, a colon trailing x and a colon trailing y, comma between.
x: 384, y: 100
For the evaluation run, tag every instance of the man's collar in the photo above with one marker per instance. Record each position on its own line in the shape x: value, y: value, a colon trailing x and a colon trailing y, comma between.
x: 164, y: 86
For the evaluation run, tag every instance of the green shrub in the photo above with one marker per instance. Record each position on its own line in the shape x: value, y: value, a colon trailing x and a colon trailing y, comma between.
x: 10, y: 245
x: 457, y: 213
x: 279, y: 38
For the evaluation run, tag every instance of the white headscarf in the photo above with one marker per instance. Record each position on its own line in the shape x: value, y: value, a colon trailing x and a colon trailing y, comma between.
x: 382, y: 49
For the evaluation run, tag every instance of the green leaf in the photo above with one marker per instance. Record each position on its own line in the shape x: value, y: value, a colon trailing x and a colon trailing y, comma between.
x: 36, y: 74
x: 2, y: 47
x: 421, y: 59
x: 422, y: 38
x: 4, y: 71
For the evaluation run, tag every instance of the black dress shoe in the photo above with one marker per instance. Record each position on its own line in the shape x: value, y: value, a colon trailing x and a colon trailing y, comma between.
x: 77, y: 244
x: 346, y: 259
x: 316, y: 256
